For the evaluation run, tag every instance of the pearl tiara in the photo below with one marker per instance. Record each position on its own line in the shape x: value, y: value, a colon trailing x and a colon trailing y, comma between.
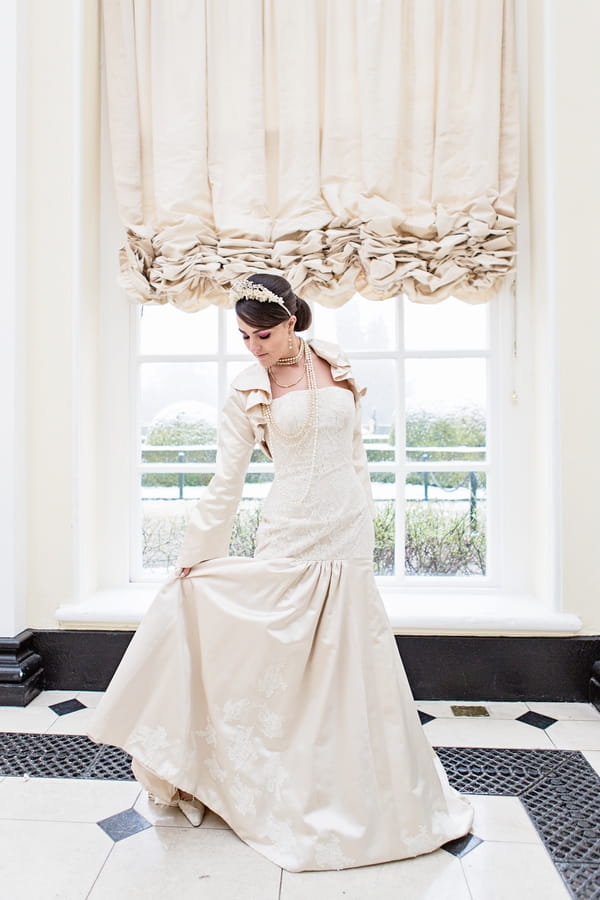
x: 242, y: 289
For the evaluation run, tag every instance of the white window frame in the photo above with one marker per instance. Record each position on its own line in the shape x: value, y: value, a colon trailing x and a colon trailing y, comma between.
x: 400, y: 468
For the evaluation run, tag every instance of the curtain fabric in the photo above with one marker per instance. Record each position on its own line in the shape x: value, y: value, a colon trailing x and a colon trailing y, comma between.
x: 352, y: 145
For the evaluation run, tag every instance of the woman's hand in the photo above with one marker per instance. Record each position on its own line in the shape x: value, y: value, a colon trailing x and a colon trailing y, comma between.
x: 185, y: 572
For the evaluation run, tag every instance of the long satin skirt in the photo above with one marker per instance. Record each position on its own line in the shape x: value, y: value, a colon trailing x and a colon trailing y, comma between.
x: 273, y: 691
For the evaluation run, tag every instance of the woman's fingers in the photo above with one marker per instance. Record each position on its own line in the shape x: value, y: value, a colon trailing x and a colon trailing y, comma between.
x: 185, y: 572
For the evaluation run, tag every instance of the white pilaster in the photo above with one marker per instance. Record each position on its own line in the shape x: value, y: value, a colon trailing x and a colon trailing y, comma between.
x: 13, y: 563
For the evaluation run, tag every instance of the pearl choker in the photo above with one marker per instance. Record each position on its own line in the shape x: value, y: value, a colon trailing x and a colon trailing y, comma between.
x: 295, y: 359
x: 292, y: 360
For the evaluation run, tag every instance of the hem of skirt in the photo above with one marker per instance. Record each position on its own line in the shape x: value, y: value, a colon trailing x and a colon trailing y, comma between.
x: 275, y: 858
x: 383, y: 859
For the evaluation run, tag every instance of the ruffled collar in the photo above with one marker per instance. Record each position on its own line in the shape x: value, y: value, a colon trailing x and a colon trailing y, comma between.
x: 254, y: 381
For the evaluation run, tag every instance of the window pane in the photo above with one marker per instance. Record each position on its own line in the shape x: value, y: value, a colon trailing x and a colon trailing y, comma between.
x: 450, y: 325
x: 358, y: 325
x: 445, y: 523
x: 178, y: 410
x: 167, y: 500
x: 445, y: 409
x: 163, y: 525
x: 379, y: 404
x: 234, y: 368
x: 383, y: 486
x: 233, y: 336
x: 176, y: 485
x: 243, y: 534
x: 165, y: 329
x: 247, y: 520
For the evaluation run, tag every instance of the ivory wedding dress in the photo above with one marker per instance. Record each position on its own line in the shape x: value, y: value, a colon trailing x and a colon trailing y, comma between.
x: 271, y: 688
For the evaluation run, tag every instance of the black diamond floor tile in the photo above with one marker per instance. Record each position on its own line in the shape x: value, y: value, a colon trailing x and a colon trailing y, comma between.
x: 461, y: 846
x: 67, y: 706
x: 425, y: 717
x: 536, y: 719
x: 124, y: 824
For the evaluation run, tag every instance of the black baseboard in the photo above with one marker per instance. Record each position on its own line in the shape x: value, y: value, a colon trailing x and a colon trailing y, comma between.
x: 439, y: 667
x: 80, y: 660
x: 499, y: 668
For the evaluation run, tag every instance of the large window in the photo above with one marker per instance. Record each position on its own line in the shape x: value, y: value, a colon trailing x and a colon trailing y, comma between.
x: 429, y: 410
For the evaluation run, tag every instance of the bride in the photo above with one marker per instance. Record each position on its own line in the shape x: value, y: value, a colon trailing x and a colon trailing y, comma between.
x: 270, y: 689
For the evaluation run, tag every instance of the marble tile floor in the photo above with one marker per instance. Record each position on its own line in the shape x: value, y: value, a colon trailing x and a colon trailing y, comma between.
x: 96, y: 837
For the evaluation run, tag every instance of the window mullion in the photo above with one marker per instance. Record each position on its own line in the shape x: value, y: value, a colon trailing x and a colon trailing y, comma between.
x: 447, y: 354
x: 462, y: 465
x: 497, y: 342
x: 400, y: 442
x: 135, y: 506
x: 222, y: 360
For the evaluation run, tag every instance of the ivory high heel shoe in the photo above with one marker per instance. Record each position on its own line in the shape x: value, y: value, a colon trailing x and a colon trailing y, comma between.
x: 192, y: 809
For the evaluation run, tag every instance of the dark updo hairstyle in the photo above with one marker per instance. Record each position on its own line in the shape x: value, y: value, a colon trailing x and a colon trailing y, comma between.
x: 259, y: 314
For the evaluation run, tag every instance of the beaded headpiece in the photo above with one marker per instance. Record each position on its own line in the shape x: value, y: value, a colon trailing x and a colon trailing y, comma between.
x: 242, y: 289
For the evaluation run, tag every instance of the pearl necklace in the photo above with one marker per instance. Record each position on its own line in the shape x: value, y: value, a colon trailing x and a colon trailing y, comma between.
x: 292, y: 383
x: 312, y: 422
x: 296, y: 359
x: 292, y: 360
x: 313, y: 409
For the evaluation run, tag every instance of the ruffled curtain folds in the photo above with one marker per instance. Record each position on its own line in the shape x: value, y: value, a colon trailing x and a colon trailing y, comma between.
x: 352, y: 145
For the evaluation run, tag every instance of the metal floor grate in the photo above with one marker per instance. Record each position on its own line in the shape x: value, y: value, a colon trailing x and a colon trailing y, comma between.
x: 561, y: 793
x: 565, y: 809
x: 483, y: 770
x: 61, y: 756
x: 559, y: 789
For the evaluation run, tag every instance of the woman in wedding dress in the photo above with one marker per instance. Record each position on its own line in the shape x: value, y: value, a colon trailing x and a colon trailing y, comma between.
x: 270, y: 690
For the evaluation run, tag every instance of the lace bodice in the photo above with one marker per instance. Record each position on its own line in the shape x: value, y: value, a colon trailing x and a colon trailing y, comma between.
x: 317, y: 507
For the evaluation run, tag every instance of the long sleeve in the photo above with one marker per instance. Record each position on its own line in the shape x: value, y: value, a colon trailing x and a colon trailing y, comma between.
x: 359, y: 459
x: 211, y: 521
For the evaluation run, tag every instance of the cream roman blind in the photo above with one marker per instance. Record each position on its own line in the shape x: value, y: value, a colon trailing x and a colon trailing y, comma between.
x: 352, y: 145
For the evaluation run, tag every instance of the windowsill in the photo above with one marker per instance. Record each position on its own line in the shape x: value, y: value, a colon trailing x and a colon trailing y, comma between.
x: 445, y: 612
x: 409, y: 612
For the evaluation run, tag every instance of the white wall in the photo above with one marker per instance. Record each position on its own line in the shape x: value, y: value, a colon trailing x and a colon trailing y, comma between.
x: 564, y: 144
x: 576, y: 132
x: 64, y: 299
x: 13, y: 326
x: 62, y: 46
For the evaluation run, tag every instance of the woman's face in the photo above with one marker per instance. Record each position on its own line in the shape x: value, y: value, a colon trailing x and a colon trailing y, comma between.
x: 268, y: 344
